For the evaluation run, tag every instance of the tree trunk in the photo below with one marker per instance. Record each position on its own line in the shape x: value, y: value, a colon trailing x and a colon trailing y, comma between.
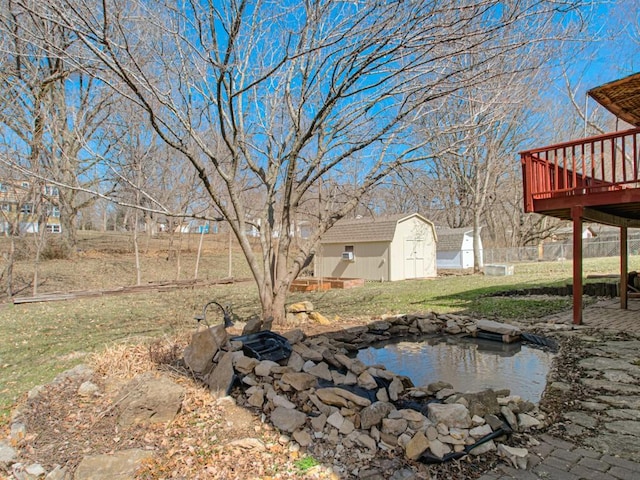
x: 178, y: 256
x: 273, y: 305
x: 136, y: 249
x: 40, y: 239
x: 230, y: 264
x: 195, y: 274
x: 68, y: 225
x: 11, y: 258
x: 478, y: 263
x: 104, y: 220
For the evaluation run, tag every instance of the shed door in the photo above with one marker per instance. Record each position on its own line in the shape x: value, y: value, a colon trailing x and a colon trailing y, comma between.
x: 414, y: 257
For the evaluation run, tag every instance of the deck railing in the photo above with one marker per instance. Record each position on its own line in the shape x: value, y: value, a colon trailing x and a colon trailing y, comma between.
x: 595, y: 164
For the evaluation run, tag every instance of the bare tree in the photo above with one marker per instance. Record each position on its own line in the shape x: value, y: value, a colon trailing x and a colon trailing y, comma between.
x: 50, y: 107
x: 144, y: 173
x: 486, y: 127
x: 276, y: 100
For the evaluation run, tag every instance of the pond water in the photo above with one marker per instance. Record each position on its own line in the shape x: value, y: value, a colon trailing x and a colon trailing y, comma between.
x: 469, y: 364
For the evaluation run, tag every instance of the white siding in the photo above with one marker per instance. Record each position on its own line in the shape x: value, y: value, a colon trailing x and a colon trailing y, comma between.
x: 458, y: 259
x: 450, y: 260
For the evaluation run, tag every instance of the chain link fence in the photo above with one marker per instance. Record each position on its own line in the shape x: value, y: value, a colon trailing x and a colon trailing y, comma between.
x: 591, y: 247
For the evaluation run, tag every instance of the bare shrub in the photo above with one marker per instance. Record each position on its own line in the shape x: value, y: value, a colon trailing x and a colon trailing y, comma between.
x: 166, y: 351
x: 56, y: 250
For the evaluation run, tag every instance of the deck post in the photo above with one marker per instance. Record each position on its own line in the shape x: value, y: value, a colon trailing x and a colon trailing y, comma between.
x: 624, y: 267
x: 576, y: 216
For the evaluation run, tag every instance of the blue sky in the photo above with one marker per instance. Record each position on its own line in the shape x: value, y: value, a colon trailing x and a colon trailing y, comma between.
x: 615, y: 51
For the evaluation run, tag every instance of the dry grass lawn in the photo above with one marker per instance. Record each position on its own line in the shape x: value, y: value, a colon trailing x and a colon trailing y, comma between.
x: 41, y: 339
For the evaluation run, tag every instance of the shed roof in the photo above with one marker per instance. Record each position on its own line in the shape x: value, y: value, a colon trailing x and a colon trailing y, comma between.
x: 380, y: 229
x: 621, y: 97
x: 450, y: 239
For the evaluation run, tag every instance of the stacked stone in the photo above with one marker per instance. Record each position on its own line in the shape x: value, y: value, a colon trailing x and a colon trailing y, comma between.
x: 334, y: 404
x: 338, y: 407
x: 303, y: 312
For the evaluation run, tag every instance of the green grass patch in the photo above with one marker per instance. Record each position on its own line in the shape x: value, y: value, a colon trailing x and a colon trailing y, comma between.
x: 518, y: 308
x: 306, y: 463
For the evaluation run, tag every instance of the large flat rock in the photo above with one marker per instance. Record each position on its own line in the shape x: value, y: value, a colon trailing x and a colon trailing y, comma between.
x: 150, y: 399
x: 118, y: 466
x: 497, y: 327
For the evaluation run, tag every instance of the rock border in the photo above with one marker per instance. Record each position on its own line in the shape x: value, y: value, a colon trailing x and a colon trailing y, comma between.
x: 346, y: 412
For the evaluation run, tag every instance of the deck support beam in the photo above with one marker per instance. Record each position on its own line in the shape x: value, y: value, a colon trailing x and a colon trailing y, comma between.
x: 592, y: 215
x: 624, y: 268
x: 576, y: 217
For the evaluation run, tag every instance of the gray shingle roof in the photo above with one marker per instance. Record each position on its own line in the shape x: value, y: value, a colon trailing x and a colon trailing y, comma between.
x: 450, y: 239
x: 379, y: 229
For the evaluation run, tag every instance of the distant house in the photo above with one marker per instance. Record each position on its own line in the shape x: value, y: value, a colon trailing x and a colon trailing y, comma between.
x: 301, y: 229
x: 384, y: 249
x: 24, y: 205
x: 455, y: 248
x: 192, y: 226
x: 566, y: 233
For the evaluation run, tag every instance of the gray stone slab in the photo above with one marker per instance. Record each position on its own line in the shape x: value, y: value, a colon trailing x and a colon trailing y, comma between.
x: 497, y: 327
x: 625, y: 427
x: 556, y: 462
x: 593, y: 406
x: 623, y: 401
x: 621, y: 462
x: 587, y: 452
x: 544, y: 449
x: 615, y: 444
x: 623, y: 413
x: 623, y: 473
x: 603, y: 363
x: 614, y: 387
x: 519, y: 474
x: 549, y: 472
x: 574, y: 431
x: 586, y: 473
x: 594, y: 464
x: 566, y: 455
x: 618, y: 376
x: 582, y: 419
x: 621, y: 348
x: 557, y: 442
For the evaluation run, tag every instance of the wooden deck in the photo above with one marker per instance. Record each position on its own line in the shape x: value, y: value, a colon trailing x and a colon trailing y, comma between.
x: 599, y: 174
x: 595, y: 179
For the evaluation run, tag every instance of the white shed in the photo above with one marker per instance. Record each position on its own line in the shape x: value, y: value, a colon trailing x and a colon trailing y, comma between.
x: 455, y: 248
x: 391, y: 248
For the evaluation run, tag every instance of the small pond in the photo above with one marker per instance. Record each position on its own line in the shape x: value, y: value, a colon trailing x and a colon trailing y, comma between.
x: 469, y: 364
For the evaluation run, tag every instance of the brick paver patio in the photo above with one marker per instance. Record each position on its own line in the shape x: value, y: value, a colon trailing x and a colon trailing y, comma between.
x: 556, y: 459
